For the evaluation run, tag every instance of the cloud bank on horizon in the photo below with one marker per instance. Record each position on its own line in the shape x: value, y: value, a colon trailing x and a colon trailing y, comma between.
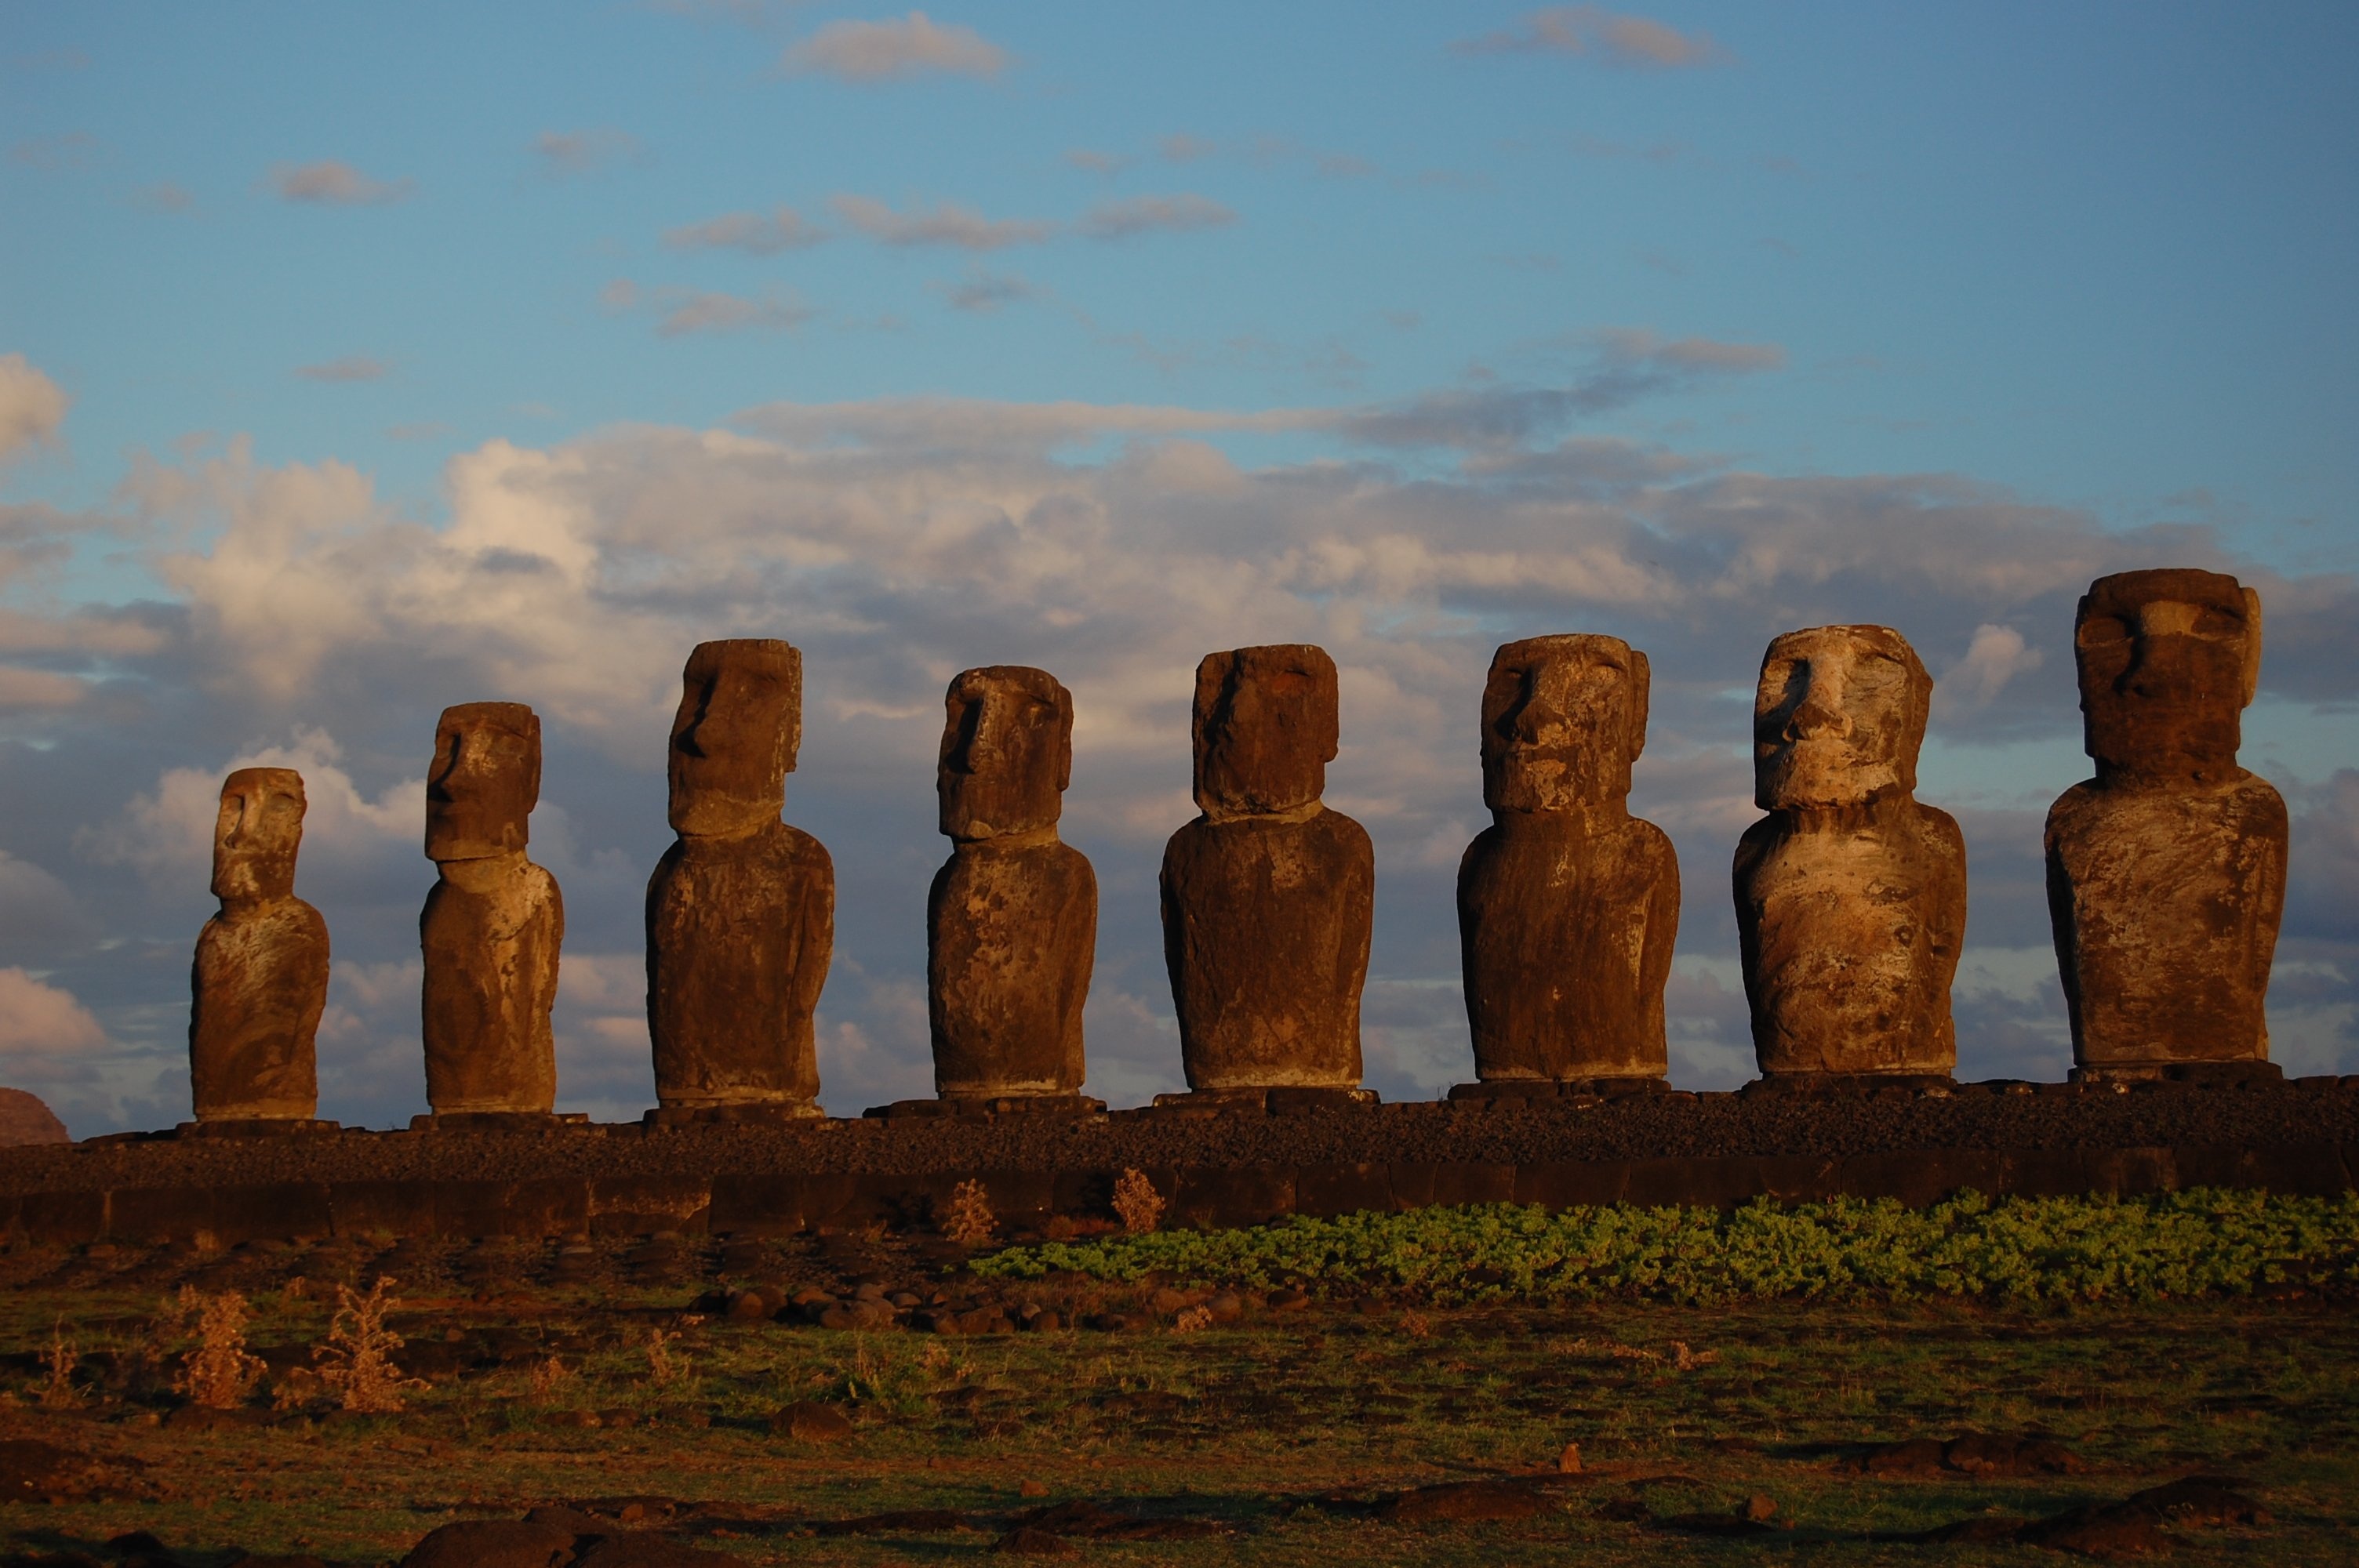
x: 1275, y: 407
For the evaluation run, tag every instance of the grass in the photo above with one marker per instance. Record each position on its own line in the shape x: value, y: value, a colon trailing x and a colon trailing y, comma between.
x: 1281, y: 1426
x: 2202, y: 1242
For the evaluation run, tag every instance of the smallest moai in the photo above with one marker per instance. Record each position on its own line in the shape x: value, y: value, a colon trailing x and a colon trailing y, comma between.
x: 1268, y: 897
x: 1851, y: 896
x: 494, y: 921
x: 260, y: 980
x: 1011, y: 920
x: 1567, y: 906
x: 2166, y: 871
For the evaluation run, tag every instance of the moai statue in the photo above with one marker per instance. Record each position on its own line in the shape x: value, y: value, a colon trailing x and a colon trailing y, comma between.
x: 1851, y: 897
x: 494, y: 921
x: 741, y: 909
x: 1268, y: 896
x: 1568, y: 906
x: 1011, y: 923
x: 261, y: 974
x: 2166, y: 871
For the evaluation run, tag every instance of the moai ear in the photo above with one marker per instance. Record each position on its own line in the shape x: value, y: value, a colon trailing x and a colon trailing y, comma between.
x: 2251, y: 644
x: 1064, y: 736
x: 1641, y: 679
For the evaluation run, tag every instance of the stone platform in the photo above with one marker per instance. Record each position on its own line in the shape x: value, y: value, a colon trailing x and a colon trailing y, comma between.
x: 1916, y: 1143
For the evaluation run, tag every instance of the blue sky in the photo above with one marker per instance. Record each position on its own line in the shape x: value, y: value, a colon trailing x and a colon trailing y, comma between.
x: 1100, y: 337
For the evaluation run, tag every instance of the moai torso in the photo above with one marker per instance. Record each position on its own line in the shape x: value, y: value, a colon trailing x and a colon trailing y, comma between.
x: 1851, y: 896
x: 1011, y: 922
x: 494, y: 923
x: 1568, y: 906
x: 1268, y: 897
x: 2166, y: 872
x: 741, y: 909
x: 260, y: 980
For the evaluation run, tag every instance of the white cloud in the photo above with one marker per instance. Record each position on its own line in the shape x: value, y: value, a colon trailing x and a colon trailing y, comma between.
x: 1185, y: 149
x: 32, y: 407
x: 167, y: 835
x: 166, y: 197
x: 40, y: 1024
x: 783, y: 229
x: 685, y: 312
x: 1620, y: 39
x: 351, y: 367
x: 335, y: 184
x: 914, y: 45
x: 1147, y: 214
x: 950, y: 224
x: 984, y: 292
x: 21, y: 688
x: 561, y: 155
x: 74, y: 149
x: 1995, y: 656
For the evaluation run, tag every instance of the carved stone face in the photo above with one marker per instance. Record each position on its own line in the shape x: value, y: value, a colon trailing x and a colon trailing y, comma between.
x: 1563, y: 717
x: 1266, y: 728
x: 2168, y: 661
x: 1838, y: 717
x: 1007, y: 752
x: 484, y: 781
x: 734, y: 738
x: 257, y: 835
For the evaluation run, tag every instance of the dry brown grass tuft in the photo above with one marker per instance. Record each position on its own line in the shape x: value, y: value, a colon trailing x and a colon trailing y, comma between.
x: 217, y: 1373
x: 664, y: 1369
x: 1137, y: 1202
x: 548, y: 1377
x: 357, y: 1360
x: 970, y: 1220
x: 61, y: 1358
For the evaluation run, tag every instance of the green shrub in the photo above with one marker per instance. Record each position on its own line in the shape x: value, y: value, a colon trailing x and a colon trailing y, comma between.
x: 2204, y: 1242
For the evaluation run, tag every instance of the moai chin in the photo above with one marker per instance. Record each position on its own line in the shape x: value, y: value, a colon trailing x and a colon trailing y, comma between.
x: 1011, y: 921
x: 494, y: 921
x: 260, y: 980
x: 1568, y: 906
x: 1268, y: 896
x: 1851, y: 896
x: 741, y: 909
x: 2166, y: 871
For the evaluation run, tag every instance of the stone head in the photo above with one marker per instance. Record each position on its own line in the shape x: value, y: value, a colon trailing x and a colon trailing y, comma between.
x: 484, y: 781
x: 257, y: 835
x: 1838, y: 717
x: 734, y: 738
x: 1563, y: 717
x: 2168, y: 659
x: 1266, y: 728
x: 1007, y: 752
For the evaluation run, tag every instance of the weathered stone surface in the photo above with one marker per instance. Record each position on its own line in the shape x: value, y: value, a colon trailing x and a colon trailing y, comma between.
x: 1011, y: 922
x: 26, y: 1119
x: 2166, y: 871
x: 1568, y: 906
x: 1851, y: 897
x: 1268, y: 897
x: 741, y: 909
x: 260, y: 979
x: 494, y: 921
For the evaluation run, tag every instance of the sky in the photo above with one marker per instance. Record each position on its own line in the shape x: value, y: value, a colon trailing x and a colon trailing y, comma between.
x: 356, y: 361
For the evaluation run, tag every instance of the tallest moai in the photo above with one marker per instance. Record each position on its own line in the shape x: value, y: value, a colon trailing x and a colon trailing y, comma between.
x: 2166, y: 872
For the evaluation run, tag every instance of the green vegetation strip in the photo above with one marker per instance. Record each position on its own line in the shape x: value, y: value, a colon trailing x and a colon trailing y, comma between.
x: 2203, y: 1242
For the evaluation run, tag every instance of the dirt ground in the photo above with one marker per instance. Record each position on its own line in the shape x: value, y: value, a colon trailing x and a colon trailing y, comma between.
x: 681, y: 1396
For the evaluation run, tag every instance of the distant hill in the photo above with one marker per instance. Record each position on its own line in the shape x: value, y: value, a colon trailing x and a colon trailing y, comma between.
x: 24, y: 1119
